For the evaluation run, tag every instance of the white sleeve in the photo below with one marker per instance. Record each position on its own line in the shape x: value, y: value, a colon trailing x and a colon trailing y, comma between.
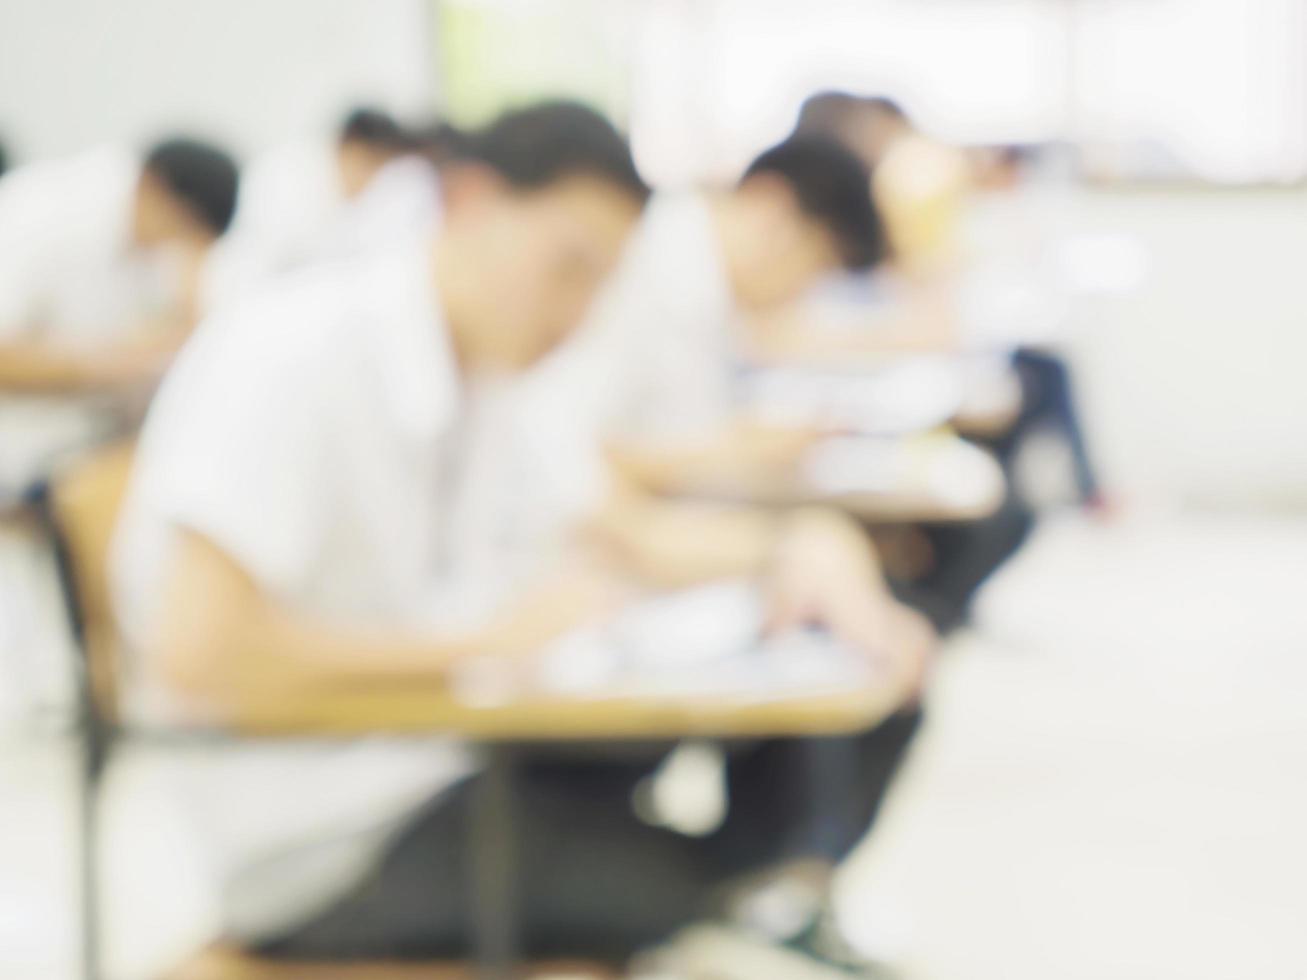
x: 247, y: 461
x: 678, y: 387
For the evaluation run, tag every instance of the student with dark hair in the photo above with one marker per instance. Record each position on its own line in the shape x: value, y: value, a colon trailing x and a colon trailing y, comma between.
x: 375, y: 127
x: 652, y: 376
x: 101, y: 260
x: 292, y: 542
x: 532, y: 147
x: 824, y: 181
x: 365, y: 188
x: 196, y: 176
x: 656, y: 361
x: 920, y: 184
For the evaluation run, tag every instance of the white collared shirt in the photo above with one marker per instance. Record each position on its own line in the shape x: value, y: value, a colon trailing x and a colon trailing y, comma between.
x: 653, y: 361
x: 71, y: 277
x: 309, y: 434
x: 68, y: 270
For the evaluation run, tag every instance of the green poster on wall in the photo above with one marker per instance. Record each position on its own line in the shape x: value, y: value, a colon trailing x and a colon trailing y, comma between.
x: 499, y: 53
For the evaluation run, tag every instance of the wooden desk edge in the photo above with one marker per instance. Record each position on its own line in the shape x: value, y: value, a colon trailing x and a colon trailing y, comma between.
x: 573, y: 719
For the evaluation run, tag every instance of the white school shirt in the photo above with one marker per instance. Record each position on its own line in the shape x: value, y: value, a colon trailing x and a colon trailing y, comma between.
x: 292, y: 213
x: 70, y: 275
x: 310, y: 434
x: 671, y: 310
x: 653, y: 362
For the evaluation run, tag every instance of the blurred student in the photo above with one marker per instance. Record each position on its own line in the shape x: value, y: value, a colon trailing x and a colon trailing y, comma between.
x: 654, y: 373
x: 367, y: 188
x: 285, y: 547
x: 656, y: 367
x: 657, y: 359
x: 921, y: 184
x: 991, y: 302
x: 101, y: 259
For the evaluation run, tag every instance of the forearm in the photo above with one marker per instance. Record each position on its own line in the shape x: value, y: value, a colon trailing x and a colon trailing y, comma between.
x: 223, y: 645
x: 672, y: 543
x: 246, y: 662
x: 37, y: 368
x: 669, y: 544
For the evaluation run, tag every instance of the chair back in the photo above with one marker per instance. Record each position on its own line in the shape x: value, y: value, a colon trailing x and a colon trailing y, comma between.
x: 82, y: 504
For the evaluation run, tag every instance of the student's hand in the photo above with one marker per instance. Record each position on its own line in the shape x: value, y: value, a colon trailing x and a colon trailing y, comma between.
x: 826, y: 574
x: 823, y: 568
x: 582, y: 592
x: 770, y: 447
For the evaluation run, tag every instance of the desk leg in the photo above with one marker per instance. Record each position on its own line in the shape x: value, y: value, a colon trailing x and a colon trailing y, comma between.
x: 494, y: 868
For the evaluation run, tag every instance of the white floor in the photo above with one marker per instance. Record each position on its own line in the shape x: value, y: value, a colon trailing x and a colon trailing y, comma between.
x: 1111, y: 787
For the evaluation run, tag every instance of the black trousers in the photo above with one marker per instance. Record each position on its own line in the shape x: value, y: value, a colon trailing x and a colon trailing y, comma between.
x: 593, y: 879
x: 964, y: 557
x: 1048, y: 402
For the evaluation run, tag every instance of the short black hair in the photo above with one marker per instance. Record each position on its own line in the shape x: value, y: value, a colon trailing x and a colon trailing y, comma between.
x: 543, y: 143
x: 375, y: 127
x: 834, y: 189
x: 204, y: 178
x: 440, y: 141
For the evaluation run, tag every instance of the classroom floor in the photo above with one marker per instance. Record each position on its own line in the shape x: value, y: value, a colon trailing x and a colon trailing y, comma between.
x: 1112, y: 783
x: 1111, y: 786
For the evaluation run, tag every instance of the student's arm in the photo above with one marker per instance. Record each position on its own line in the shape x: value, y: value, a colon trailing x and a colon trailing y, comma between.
x: 816, y: 567
x: 670, y: 543
x: 33, y: 367
x: 141, y: 356
x: 224, y: 645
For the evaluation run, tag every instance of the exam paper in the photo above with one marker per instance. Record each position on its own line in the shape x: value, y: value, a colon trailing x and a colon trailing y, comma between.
x: 700, y: 642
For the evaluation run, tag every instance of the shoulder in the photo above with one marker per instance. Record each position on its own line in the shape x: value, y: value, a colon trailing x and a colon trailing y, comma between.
x: 293, y: 329
x: 319, y: 325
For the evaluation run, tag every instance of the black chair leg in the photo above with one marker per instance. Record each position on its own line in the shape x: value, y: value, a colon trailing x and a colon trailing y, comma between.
x: 93, y: 742
x: 94, y: 750
x: 495, y: 868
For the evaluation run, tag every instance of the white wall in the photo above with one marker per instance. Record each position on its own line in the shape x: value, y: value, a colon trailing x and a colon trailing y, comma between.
x: 252, y: 72
x: 1194, y: 385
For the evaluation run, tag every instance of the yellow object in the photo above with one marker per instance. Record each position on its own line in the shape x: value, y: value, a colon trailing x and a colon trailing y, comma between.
x: 921, y: 187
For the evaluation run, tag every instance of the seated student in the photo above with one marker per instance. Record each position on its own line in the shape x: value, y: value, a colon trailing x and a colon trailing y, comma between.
x: 986, y: 305
x: 653, y: 369
x: 656, y: 363
x: 286, y: 541
x: 311, y: 202
x: 920, y: 184
x: 101, y: 257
